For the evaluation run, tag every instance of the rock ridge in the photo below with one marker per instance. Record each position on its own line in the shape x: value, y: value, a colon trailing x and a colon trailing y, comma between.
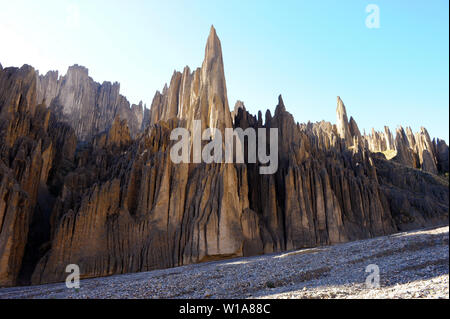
x: 84, y: 182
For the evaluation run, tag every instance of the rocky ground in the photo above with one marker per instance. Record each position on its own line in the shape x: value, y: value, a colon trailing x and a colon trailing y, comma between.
x: 411, y: 265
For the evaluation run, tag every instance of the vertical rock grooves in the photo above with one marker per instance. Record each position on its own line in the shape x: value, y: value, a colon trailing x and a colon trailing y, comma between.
x: 89, y: 107
x: 86, y: 179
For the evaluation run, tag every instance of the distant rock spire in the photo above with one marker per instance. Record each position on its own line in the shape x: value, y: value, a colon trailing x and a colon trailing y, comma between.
x: 213, y: 82
x: 238, y: 105
x: 342, y: 122
x: 354, y: 130
x: 200, y: 95
x: 280, y: 107
x: 390, y: 143
x: 213, y: 49
x: 213, y: 60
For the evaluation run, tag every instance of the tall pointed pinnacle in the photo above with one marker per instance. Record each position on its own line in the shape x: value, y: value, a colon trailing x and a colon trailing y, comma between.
x: 213, y: 61
x: 342, y: 122
x: 200, y: 95
x: 340, y: 109
x: 214, y: 85
x: 280, y: 107
x: 213, y: 46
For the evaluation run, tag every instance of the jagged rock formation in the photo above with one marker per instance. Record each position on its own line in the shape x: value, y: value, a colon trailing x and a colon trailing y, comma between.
x: 342, y: 123
x: 414, y: 150
x: 118, y: 136
x: 200, y: 95
x: 441, y: 152
x: 89, y: 107
x: 114, y: 202
x: 380, y: 141
x: 237, y: 106
x: 31, y: 144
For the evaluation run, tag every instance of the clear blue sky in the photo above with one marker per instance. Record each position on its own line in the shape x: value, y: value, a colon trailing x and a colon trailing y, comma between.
x: 309, y: 51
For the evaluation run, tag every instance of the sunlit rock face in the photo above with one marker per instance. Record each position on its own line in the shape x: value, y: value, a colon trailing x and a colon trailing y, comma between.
x: 87, y: 106
x: 86, y: 179
x: 413, y: 150
x: 197, y: 95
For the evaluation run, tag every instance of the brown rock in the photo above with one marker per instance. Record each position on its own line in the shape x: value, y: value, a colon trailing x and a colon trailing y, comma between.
x: 342, y: 123
x: 15, y: 216
x: 441, y: 155
x: 115, y: 202
x: 89, y: 107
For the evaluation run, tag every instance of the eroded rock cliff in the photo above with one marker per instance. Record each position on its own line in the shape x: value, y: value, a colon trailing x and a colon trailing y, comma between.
x: 87, y: 106
x: 89, y: 180
x: 31, y: 145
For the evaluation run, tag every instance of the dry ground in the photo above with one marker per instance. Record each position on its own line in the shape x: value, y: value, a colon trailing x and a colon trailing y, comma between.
x: 411, y: 265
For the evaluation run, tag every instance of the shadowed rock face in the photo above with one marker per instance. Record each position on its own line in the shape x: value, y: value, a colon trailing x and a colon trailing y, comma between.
x: 101, y: 191
x: 33, y: 148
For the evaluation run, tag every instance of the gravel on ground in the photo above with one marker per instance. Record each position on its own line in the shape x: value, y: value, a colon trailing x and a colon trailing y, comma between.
x: 412, y: 264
